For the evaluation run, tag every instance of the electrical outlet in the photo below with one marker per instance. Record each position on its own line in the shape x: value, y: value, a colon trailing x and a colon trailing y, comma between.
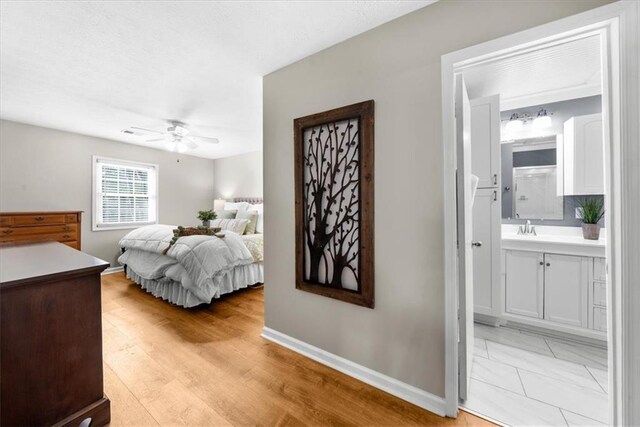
x: 578, y: 213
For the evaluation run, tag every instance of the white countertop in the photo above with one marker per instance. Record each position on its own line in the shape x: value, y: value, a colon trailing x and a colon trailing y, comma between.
x: 562, y: 240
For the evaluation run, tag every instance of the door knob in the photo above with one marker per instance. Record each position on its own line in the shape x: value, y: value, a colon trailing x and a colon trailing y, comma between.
x: 476, y: 244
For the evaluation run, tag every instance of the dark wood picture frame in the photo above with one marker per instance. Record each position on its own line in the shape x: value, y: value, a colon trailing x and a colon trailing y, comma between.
x: 361, y: 115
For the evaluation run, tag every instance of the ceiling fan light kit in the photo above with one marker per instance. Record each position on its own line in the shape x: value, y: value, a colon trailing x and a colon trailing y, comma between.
x: 177, y: 136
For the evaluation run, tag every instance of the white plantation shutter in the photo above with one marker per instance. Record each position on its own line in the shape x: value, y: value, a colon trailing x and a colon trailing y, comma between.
x: 125, y: 193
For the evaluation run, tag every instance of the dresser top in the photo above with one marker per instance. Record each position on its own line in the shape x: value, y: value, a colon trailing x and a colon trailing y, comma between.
x: 39, y: 212
x: 21, y: 263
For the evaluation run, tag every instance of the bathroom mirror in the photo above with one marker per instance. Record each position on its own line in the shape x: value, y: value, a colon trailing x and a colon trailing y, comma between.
x: 534, y: 189
x: 529, y: 176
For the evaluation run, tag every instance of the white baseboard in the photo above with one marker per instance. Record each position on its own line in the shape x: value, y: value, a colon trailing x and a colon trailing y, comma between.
x: 384, y: 382
x: 112, y: 270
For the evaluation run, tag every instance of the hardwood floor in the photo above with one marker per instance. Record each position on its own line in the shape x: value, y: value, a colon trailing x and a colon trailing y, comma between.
x: 209, y: 366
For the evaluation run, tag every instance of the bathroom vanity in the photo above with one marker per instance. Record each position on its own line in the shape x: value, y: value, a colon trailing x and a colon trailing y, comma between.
x: 554, y: 280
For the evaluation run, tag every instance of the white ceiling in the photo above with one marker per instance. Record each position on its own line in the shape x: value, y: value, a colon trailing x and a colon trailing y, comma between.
x: 96, y: 68
x: 566, y: 71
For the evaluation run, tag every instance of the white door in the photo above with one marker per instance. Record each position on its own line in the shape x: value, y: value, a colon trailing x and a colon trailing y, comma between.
x: 486, y: 251
x: 566, y: 283
x: 485, y: 140
x: 464, y: 218
x: 524, y: 282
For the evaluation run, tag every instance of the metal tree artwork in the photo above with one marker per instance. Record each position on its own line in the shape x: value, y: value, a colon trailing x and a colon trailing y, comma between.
x: 334, y: 203
x: 331, y: 202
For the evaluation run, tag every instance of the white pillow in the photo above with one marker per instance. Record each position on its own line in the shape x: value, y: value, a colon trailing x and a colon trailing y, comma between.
x: 260, y: 209
x: 239, y: 206
x: 235, y: 225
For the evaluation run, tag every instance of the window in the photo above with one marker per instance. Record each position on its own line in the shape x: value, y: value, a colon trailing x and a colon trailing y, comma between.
x: 124, y: 194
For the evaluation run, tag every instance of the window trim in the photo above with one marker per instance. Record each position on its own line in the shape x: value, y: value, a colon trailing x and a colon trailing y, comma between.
x: 94, y: 187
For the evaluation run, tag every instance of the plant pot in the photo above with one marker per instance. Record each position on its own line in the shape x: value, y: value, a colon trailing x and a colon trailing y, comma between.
x: 591, y: 231
x: 206, y: 223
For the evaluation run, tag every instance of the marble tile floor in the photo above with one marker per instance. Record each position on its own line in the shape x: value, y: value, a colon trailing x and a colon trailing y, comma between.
x: 523, y: 379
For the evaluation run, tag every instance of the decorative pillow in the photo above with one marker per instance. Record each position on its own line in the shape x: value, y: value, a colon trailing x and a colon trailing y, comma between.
x: 239, y: 206
x: 235, y: 225
x: 252, y: 216
x: 260, y: 224
x: 226, y: 214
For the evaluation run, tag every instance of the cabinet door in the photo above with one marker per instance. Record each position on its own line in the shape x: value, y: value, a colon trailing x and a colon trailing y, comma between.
x: 486, y: 258
x: 524, y: 278
x: 583, y: 155
x: 566, y: 283
x: 485, y: 140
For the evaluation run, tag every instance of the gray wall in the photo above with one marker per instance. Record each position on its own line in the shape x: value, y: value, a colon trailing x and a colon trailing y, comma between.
x: 238, y: 176
x: 44, y: 169
x: 397, y: 65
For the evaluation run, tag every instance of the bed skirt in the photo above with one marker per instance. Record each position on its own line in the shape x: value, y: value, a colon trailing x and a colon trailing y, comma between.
x: 172, y: 291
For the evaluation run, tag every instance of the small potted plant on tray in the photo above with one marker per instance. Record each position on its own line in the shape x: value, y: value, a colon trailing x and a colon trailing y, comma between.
x: 592, y: 210
x: 206, y: 217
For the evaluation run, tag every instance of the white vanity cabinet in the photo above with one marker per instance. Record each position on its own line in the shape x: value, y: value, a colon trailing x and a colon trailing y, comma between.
x: 581, y: 158
x: 598, y: 296
x: 562, y: 292
x: 524, y: 283
x: 565, y: 289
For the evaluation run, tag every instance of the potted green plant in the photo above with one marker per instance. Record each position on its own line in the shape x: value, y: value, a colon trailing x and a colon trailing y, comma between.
x: 206, y: 217
x: 591, y: 212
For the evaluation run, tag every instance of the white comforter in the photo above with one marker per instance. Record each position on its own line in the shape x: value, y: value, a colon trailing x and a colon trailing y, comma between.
x: 196, y: 262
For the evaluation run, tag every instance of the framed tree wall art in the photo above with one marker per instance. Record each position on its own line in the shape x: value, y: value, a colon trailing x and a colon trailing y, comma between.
x: 334, y: 155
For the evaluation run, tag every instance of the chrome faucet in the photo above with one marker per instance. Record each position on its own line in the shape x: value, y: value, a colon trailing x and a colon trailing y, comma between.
x: 527, y: 229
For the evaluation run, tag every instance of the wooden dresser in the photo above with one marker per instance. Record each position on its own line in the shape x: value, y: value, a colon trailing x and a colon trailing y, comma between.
x: 51, y: 370
x: 64, y: 227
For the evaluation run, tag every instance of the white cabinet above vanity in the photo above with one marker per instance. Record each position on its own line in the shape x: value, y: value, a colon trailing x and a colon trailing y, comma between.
x: 580, y: 156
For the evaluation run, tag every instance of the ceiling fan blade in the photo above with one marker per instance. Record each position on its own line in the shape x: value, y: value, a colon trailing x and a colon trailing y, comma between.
x: 191, y: 144
x: 146, y: 130
x: 205, y: 139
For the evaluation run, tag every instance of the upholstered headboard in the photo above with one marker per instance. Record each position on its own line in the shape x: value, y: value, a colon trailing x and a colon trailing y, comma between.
x: 252, y: 200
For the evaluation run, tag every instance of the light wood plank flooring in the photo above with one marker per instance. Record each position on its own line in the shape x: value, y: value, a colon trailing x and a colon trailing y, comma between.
x: 209, y: 366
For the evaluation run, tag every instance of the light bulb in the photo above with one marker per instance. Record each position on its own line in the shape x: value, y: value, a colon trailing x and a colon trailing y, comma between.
x: 542, y: 122
x: 514, y: 125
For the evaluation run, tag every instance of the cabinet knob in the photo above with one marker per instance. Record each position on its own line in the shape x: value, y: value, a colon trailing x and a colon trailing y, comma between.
x: 548, y: 264
x: 476, y: 244
x: 39, y: 218
x: 541, y: 263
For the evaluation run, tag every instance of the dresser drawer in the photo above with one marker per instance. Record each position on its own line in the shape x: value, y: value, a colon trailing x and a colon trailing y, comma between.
x: 74, y: 244
x: 600, y: 269
x: 59, y: 237
x: 38, y: 219
x: 33, y: 231
x: 6, y: 221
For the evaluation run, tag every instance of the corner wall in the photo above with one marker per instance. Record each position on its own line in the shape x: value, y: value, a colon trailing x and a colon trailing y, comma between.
x: 44, y: 169
x: 397, y: 65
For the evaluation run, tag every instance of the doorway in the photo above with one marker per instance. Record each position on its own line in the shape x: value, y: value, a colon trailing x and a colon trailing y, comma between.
x: 603, y: 23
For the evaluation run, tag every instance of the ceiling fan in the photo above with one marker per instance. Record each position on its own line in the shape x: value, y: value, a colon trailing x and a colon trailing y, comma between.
x: 176, y: 137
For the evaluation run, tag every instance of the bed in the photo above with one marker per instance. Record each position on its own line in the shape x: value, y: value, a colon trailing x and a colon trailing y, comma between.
x: 195, y: 269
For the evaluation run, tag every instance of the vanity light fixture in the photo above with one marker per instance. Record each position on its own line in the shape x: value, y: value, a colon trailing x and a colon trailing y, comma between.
x: 514, y: 124
x: 543, y: 121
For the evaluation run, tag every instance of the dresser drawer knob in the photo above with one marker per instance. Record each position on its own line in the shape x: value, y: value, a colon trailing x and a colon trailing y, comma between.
x: 66, y: 236
x: 65, y: 228
x: 39, y: 218
x: 7, y: 231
